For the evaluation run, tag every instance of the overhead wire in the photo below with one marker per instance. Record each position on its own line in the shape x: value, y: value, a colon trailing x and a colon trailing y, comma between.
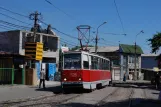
x: 14, y: 25
x: 14, y: 18
x: 119, y: 17
x: 13, y: 12
x: 18, y: 26
x: 58, y: 8
x: 59, y: 31
x: 6, y: 26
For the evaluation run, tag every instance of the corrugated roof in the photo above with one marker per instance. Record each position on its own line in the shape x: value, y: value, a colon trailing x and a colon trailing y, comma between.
x: 130, y: 49
x: 104, y: 49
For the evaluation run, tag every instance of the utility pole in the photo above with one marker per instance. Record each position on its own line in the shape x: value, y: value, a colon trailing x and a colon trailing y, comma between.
x: 35, y: 17
x: 97, y: 36
x: 96, y: 43
x: 135, y: 72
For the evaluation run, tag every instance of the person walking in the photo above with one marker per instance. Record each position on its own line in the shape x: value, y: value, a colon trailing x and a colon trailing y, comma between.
x: 42, y: 78
x: 157, y: 80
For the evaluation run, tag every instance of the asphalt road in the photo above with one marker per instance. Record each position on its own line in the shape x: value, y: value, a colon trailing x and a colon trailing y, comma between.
x: 118, y: 96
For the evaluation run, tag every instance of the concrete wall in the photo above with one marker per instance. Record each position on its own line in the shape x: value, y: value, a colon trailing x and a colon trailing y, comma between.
x: 9, y: 41
x: 14, y: 41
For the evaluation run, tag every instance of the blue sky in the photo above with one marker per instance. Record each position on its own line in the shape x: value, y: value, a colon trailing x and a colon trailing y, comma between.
x: 136, y: 15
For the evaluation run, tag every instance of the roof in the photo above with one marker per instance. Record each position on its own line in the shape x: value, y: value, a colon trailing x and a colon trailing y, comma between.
x: 149, y: 69
x: 149, y: 55
x: 104, y: 49
x: 84, y: 52
x: 130, y: 49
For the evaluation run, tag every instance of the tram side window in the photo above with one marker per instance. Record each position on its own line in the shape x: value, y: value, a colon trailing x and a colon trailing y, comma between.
x: 85, y: 62
x: 100, y: 63
x: 95, y: 64
x: 107, y: 65
x: 104, y: 65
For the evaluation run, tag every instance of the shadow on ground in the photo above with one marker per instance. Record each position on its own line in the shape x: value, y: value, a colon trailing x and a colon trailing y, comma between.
x: 140, y: 86
x: 124, y: 103
x: 59, y: 90
x: 137, y: 102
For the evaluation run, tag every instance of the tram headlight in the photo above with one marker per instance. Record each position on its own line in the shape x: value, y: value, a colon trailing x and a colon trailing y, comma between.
x: 65, y: 79
x: 80, y: 79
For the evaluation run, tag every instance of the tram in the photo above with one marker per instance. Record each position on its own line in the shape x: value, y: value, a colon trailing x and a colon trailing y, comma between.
x: 85, y: 70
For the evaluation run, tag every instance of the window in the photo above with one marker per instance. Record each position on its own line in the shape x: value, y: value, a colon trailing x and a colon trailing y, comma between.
x: 85, y: 61
x: 94, y: 62
x: 100, y: 63
x: 72, y: 61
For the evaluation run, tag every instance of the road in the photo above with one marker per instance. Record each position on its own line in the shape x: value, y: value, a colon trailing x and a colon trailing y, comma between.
x: 118, y: 96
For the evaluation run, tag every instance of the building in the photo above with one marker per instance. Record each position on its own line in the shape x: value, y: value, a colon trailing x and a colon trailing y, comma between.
x: 146, y: 58
x: 14, y: 43
x: 123, y: 58
x: 148, y: 63
x: 111, y: 52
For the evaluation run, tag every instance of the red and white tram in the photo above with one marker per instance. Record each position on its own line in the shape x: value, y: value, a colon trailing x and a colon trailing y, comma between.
x: 86, y: 70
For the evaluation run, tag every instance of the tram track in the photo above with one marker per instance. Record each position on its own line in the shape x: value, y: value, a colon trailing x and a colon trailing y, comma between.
x: 57, y: 102
x: 18, y: 101
x: 130, y: 97
x: 102, y: 101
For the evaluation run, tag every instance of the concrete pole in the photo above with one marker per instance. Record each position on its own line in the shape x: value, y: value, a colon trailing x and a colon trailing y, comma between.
x: 135, y: 72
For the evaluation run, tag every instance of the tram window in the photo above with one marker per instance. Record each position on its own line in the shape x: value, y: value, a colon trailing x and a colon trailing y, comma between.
x: 104, y: 64
x: 108, y: 65
x: 72, y: 61
x: 86, y: 64
x: 85, y: 61
x: 100, y: 64
x: 95, y: 64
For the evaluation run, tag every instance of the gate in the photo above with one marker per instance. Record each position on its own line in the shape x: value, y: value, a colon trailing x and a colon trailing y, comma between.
x: 7, y: 71
x: 6, y: 76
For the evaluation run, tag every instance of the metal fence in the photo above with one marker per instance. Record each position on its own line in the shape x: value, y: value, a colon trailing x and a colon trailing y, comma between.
x: 7, y: 76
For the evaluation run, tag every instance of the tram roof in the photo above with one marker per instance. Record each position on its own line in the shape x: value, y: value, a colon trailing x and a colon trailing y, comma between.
x: 84, y: 52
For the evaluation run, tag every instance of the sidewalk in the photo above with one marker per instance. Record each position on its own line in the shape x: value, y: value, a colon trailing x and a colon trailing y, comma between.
x: 23, y: 91
x: 132, y: 82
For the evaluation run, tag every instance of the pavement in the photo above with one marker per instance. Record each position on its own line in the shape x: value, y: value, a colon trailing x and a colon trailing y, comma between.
x: 9, y: 92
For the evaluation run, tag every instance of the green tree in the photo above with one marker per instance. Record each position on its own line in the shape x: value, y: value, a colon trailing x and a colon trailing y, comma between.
x: 155, y: 42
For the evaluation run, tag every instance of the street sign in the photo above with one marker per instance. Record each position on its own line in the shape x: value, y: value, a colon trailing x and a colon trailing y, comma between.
x: 34, y: 50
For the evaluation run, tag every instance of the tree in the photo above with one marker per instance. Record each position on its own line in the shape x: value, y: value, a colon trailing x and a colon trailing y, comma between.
x: 155, y: 42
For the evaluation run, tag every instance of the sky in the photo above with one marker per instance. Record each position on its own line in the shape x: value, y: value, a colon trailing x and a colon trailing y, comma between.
x: 136, y: 15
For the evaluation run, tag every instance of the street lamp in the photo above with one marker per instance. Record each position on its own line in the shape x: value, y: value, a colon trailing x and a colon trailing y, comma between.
x: 135, y: 72
x: 97, y: 36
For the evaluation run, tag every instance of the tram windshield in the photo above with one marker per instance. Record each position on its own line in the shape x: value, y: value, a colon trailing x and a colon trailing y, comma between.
x: 72, y: 61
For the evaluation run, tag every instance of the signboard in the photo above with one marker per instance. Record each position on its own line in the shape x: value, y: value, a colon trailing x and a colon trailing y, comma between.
x: 34, y: 50
x: 64, y: 49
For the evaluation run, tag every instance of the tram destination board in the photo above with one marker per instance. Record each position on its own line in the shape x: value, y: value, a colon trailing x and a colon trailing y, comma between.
x: 34, y: 51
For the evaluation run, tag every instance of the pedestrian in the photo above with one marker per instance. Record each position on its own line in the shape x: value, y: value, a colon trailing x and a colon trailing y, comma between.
x: 42, y: 78
x: 124, y: 79
x: 157, y: 80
